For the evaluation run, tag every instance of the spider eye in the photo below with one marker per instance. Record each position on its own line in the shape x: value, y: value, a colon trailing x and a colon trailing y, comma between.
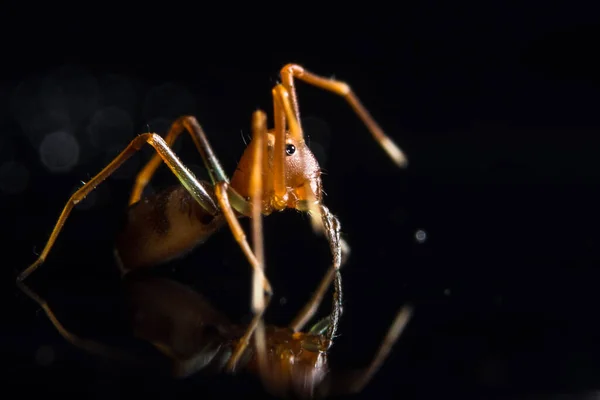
x: 290, y: 149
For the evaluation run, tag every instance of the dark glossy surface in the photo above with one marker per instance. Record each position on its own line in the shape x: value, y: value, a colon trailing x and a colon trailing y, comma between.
x: 496, y: 108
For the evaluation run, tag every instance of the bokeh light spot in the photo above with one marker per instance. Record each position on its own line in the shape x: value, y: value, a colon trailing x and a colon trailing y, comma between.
x: 59, y: 151
x: 421, y: 236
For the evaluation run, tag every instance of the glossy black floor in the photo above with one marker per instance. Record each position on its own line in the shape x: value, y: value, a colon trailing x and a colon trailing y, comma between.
x: 492, y: 231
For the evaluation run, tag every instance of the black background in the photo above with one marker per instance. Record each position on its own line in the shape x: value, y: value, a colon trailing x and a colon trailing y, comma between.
x: 495, y: 106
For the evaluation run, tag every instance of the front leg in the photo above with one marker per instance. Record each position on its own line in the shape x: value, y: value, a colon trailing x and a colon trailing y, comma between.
x: 291, y: 71
x: 259, y: 303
